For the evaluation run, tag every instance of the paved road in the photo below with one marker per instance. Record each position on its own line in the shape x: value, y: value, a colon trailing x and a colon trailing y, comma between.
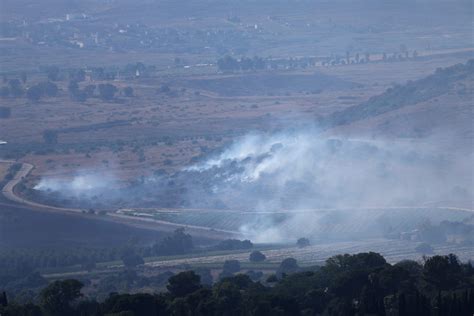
x: 142, y: 222
x: 8, y: 192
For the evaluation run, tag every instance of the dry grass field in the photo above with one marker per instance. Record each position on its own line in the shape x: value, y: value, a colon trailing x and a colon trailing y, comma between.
x: 135, y: 136
x: 184, y: 107
x: 205, y: 109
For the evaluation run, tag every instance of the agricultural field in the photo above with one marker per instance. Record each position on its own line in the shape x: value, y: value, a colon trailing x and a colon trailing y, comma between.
x: 329, y: 224
x: 393, y: 250
x: 135, y: 111
x: 241, y: 157
x: 165, y: 130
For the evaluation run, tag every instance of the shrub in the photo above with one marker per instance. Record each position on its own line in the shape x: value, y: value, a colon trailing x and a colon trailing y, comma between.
x: 5, y: 112
x: 234, y: 244
x: 131, y: 260
x: 257, y: 256
x: 176, y: 244
x: 50, y: 136
x: 231, y: 266
x: 289, y: 265
x: 128, y: 91
x: 107, y: 91
x: 302, y: 242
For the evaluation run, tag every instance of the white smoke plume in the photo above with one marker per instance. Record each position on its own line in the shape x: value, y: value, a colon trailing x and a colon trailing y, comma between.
x: 84, y: 184
x: 295, y: 172
x: 299, y: 170
x: 337, y: 172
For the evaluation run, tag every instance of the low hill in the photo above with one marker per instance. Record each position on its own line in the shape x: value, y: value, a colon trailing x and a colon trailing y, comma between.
x: 441, y: 102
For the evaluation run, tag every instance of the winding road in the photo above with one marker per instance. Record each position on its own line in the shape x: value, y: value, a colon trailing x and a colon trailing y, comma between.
x: 8, y: 191
x: 393, y: 251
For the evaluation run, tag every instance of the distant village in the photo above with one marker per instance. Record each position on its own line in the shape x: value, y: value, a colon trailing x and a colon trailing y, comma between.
x: 82, y: 31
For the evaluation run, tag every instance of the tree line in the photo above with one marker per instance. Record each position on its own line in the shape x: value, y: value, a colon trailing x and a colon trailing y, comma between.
x: 359, y: 284
x: 21, y: 262
x: 19, y: 87
x: 15, y: 264
x: 230, y: 64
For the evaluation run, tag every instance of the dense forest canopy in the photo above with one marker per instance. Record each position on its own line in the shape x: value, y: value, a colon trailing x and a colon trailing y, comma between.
x: 360, y: 284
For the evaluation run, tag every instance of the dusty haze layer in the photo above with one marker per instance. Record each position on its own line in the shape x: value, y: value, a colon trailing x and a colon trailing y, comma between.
x: 294, y: 170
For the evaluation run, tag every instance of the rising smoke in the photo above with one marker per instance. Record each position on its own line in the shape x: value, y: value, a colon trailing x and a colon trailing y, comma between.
x: 85, y: 184
x: 300, y: 170
x: 294, y: 172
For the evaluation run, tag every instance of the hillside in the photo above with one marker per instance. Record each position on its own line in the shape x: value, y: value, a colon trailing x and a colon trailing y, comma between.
x: 438, y: 103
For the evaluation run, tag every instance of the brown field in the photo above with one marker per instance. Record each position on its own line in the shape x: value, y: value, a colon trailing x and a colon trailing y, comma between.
x: 184, y: 108
x: 135, y: 136
x: 206, y: 109
x: 3, y: 170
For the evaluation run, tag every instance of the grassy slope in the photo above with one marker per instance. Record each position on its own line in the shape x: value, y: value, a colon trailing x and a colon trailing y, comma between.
x: 443, y: 81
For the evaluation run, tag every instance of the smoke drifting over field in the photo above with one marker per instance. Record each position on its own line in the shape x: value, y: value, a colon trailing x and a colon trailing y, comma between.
x: 85, y: 184
x: 300, y: 171
x: 307, y: 171
x: 297, y: 170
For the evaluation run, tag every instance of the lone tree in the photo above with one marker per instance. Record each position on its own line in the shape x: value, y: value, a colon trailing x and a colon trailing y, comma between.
x: 89, y: 90
x: 77, y: 75
x: 177, y: 244
x: 50, y: 136
x: 442, y: 271
x: 48, y: 88
x: 16, y: 89
x: 107, y: 91
x: 205, y: 275
x: 73, y: 86
x: 3, y: 299
x: 231, y: 266
x: 4, y: 92
x: 302, y: 242
x: 164, y: 89
x: 34, y: 93
x: 257, y: 256
x: 5, y: 112
x: 184, y: 283
x: 227, y: 64
x: 289, y: 265
x: 367, y: 57
x: 23, y: 77
x: 234, y: 244
x: 131, y: 260
x: 57, y: 297
x: 88, y: 265
x: 80, y: 95
x: 52, y: 72
x: 128, y: 92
